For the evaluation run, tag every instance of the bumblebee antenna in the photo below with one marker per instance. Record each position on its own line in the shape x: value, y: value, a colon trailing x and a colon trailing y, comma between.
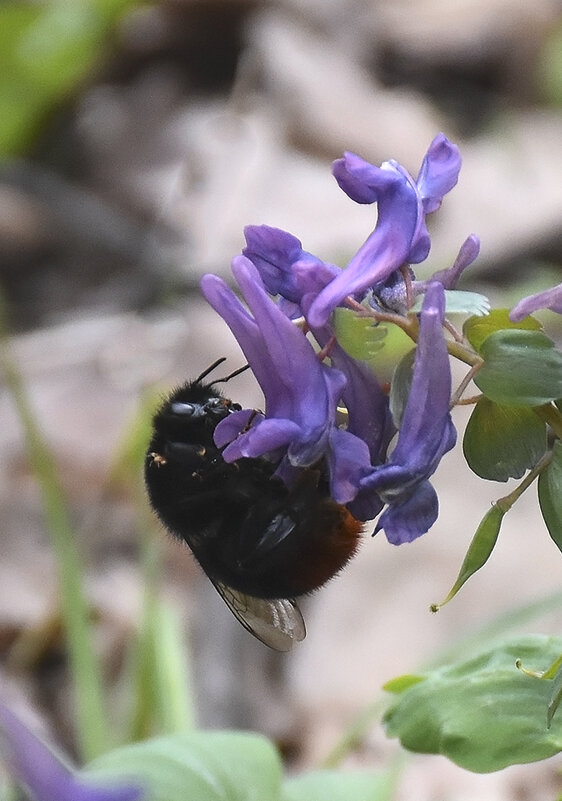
x: 213, y: 366
x: 232, y: 375
x: 210, y: 369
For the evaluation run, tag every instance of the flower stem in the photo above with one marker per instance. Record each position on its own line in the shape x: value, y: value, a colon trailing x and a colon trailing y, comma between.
x: 507, y: 501
x: 456, y: 399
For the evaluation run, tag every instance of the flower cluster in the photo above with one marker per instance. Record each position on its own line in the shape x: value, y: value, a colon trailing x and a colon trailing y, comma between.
x: 307, y: 376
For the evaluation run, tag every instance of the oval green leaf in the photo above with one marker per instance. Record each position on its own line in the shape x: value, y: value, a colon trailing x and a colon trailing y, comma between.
x: 550, y: 495
x: 502, y: 442
x: 483, y: 714
x: 478, y: 329
x: 195, y: 766
x: 521, y: 368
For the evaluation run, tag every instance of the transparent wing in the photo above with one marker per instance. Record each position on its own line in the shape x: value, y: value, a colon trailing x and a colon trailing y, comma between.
x: 276, y: 622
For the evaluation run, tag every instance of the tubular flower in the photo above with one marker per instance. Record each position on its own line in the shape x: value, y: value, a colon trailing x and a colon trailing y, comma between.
x: 400, y: 235
x: 35, y: 766
x: 285, y: 268
x: 301, y: 394
x: 468, y: 253
x: 426, y: 434
x: 549, y: 299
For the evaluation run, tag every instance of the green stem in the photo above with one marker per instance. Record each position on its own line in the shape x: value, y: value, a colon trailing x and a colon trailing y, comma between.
x: 507, y: 501
x: 551, y: 415
x: 456, y: 399
x: 464, y: 354
x: 409, y: 324
x: 91, y: 725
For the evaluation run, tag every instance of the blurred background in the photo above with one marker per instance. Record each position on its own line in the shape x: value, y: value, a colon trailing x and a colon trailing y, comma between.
x: 136, y: 141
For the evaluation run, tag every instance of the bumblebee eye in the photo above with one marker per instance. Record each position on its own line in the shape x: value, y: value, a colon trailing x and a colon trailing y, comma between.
x: 184, y: 409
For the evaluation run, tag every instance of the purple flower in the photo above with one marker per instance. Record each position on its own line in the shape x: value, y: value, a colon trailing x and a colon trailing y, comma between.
x: 285, y: 268
x: 400, y: 235
x: 549, y: 299
x: 367, y: 405
x: 35, y: 766
x: 449, y: 277
x: 301, y: 394
x: 426, y: 434
x: 468, y: 253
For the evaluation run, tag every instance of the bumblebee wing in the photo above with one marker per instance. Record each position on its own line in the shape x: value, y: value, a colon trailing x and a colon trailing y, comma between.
x: 276, y: 622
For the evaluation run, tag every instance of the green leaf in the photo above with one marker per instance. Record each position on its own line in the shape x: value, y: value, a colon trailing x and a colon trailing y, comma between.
x: 520, y: 368
x: 401, y: 683
x: 46, y: 50
x: 502, y: 442
x: 400, y: 386
x: 458, y: 301
x: 483, y: 714
x: 360, y: 337
x: 478, y: 329
x: 196, y: 766
x: 479, y: 551
x: 550, y: 495
x: 334, y: 785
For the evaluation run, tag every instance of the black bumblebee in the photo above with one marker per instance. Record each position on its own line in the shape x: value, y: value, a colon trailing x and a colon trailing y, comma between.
x: 260, y: 543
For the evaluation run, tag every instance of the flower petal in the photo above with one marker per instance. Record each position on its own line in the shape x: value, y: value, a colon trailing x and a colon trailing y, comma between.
x: 468, y: 253
x: 285, y: 268
x: 347, y: 459
x: 34, y: 765
x: 549, y: 299
x: 361, y: 181
x: 229, y: 428
x: 426, y: 415
x: 426, y: 432
x: 439, y: 172
x: 413, y: 517
x: 267, y: 437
